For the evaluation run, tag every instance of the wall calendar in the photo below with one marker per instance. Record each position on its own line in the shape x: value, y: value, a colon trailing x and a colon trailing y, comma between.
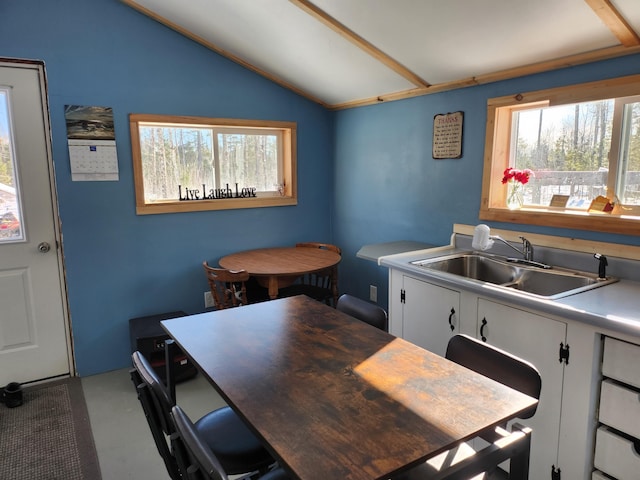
x: 92, y: 144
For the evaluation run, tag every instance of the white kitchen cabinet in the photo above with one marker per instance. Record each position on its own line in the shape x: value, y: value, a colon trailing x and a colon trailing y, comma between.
x: 423, y: 313
x: 536, y: 339
x: 419, y: 311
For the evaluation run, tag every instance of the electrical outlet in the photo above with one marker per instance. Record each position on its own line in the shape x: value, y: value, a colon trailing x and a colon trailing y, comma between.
x: 208, y: 300
x: 373, y: 293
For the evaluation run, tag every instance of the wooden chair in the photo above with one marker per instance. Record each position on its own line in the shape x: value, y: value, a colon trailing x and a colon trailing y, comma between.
x: 238, y: 450
x: 195, y: 460
x: 465, y: 462
x: 362, y: 310
x: 321, y: 286
x: 228, y: 288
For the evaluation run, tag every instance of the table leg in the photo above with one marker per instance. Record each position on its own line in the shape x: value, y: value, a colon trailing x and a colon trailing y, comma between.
x: 334, y: 285
x: 170, y: 349
x: 273, y: 287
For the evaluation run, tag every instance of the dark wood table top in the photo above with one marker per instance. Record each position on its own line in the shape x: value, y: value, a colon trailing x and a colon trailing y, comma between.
x: 333, y: 397
x: 279, y: 266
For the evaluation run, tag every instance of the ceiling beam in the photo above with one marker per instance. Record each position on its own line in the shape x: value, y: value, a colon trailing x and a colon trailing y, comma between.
x: 423, y: 88
x: 360, y: 42
x: 615, y: 22
x: 531, y: 69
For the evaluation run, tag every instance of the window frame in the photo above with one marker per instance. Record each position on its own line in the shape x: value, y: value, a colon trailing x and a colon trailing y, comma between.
x: 497, y: 153
x: 288, y: 196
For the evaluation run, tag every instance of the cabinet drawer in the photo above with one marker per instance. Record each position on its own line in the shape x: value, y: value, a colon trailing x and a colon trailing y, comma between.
x: 616, y: 455
x: 620, y: 361
x: 620, y: 408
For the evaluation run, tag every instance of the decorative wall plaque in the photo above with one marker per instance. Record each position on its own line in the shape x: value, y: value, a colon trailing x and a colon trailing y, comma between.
x: 447, y: 135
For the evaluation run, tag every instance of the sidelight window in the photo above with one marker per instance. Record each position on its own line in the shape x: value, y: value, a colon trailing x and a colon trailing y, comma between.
x: 11, y: 225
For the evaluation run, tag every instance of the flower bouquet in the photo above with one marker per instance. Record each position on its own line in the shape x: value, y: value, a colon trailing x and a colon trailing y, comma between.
x: 515, y: 179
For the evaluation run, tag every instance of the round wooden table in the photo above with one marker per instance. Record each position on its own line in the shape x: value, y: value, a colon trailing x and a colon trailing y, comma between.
x: 279, y: 267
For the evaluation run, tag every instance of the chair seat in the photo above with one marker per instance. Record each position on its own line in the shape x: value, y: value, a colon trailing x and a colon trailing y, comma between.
x: 277, y: 474
x: 236, y: 447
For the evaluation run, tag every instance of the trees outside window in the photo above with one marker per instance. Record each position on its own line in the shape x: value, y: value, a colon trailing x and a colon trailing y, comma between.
x: 189, y: 163
x: 581, y: 142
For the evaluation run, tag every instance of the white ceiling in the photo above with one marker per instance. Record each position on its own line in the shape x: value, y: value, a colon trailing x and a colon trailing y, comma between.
x: 344, y: 53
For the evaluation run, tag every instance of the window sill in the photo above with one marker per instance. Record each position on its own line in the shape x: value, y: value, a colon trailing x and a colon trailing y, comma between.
x: 599, y: 222
x: 221, y: 204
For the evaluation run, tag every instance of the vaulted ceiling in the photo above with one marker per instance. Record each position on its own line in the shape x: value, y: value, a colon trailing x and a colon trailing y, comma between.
x: 345, y: 53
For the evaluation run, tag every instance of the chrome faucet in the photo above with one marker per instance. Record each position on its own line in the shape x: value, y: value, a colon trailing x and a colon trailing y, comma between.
x: 483, y: 240
x: 527, y: 248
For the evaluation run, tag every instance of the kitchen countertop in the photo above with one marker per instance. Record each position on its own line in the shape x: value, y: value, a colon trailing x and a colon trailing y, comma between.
x: 613, y: 307
x: 375, y: 251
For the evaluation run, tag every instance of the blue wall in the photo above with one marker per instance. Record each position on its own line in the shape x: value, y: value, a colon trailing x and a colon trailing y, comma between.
x: 388, y: 187
x: 365, y: 175
x: 120, y: 265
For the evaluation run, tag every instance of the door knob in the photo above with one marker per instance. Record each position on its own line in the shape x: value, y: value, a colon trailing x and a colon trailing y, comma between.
x: 44, y: 247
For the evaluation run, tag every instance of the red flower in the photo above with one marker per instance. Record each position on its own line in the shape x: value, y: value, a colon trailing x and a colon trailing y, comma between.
x: 520, y: 176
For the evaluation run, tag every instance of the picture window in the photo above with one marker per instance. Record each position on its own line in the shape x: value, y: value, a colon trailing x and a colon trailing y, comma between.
x: 193, y: 163
x: 580, y: 142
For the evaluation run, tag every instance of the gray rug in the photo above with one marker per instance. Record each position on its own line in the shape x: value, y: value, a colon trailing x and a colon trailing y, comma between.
x: 49, y: 436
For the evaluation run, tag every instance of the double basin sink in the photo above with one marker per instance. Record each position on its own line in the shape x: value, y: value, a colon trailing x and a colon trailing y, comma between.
x: 548, y: 282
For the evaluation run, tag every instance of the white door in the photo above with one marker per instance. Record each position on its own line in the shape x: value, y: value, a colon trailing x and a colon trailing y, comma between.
x: 34, y: 339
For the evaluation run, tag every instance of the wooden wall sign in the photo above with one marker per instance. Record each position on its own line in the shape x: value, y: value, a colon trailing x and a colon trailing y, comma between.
x: 447, y: 135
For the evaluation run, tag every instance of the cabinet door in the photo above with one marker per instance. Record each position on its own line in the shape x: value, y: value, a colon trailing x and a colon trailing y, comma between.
x: 535, y: 339
x: 430, y: 314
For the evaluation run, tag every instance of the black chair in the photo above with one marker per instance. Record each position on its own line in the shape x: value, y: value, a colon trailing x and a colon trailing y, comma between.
x: 155, y: 422
x: 238, y: 450
x: 321, y: 286
x: 465, y: 462
x: 366, y: 311
x: 496, y: 364
x: 195, y: 459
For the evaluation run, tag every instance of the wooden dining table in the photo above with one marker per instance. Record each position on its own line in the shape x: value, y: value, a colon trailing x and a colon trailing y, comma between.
x: 335, y: 398
x: 275, y: 268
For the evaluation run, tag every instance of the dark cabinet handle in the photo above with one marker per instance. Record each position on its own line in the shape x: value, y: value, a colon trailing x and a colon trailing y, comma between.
x: 453, y: 312
x: 484, y: 324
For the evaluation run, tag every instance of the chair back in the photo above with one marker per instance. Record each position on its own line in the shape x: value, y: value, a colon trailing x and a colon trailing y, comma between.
x: 322, y: 285
x: 155, y: 419
x: 195, y: 459
x: 161, y: 400
x: 366, y: 311
x: 228, y: 287
x: 496, y: 364
x: 323, y: 246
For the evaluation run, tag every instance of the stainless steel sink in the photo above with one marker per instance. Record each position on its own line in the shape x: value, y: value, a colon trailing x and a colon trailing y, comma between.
x: 477, y: 267
x: 550, y: 283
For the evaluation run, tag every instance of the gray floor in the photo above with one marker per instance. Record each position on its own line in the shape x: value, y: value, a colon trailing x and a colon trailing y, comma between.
x: 122, y: 437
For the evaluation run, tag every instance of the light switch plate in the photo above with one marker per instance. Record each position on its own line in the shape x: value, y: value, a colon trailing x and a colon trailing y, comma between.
x: 373, y: 293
